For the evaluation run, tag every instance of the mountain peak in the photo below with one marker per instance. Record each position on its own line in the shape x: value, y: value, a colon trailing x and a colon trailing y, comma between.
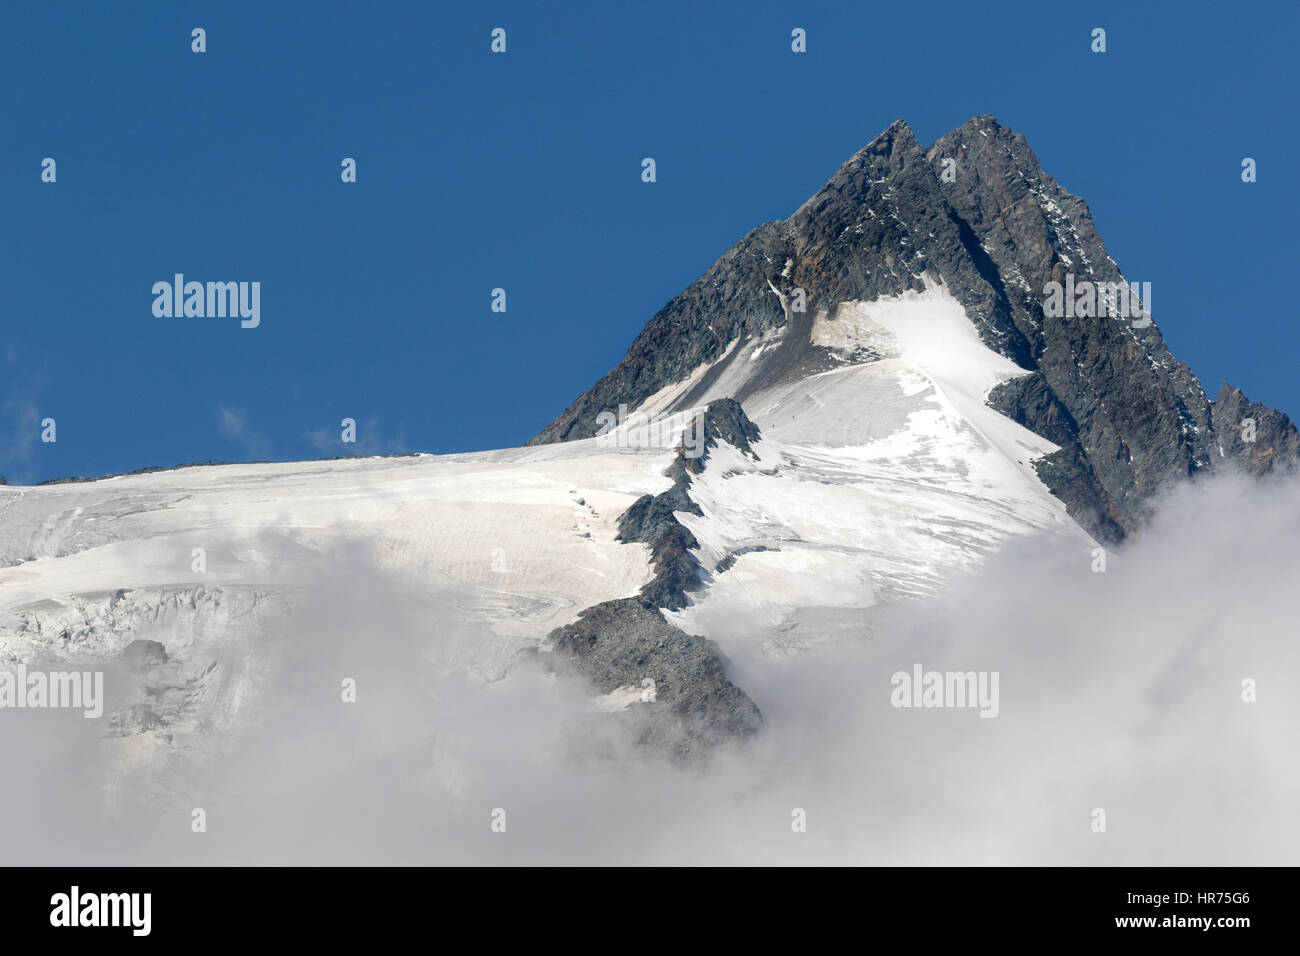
x: 994, y: 230
x: 897, y: 132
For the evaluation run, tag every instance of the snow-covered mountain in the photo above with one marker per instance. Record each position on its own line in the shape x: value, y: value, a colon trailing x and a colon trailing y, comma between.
x: 825, y: 511
x: 881, y: 405
x: 976, y: 213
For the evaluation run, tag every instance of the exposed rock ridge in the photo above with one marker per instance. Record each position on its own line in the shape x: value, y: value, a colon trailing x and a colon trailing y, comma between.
x: 626, y: 642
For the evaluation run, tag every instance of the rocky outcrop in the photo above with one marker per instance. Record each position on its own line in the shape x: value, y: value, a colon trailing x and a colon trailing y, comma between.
x: 693, y: 706
x: 652, y: 519
x: 626, y: 642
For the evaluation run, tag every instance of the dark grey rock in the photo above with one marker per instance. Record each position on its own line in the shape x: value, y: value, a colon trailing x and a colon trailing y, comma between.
x: 622, y: 643
x: 1276, y: 446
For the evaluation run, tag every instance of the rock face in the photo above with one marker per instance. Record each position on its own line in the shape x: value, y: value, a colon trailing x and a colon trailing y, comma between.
x: 976, y: 212
x: 1256, y: 437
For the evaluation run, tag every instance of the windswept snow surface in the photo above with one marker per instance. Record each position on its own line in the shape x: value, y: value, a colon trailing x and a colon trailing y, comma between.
x: 485, y: 552
x: 526, y: 537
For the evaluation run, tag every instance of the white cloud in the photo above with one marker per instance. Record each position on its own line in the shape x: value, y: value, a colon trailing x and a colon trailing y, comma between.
x: 233, y: 423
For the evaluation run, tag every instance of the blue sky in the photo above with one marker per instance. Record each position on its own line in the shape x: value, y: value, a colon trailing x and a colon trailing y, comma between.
x: 522, y: 171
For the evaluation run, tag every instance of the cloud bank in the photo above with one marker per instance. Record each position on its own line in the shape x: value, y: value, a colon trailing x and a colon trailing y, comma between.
x: 1119, y: 691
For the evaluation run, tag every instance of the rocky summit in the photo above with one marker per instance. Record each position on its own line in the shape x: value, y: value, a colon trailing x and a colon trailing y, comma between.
x: 975, y: 212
